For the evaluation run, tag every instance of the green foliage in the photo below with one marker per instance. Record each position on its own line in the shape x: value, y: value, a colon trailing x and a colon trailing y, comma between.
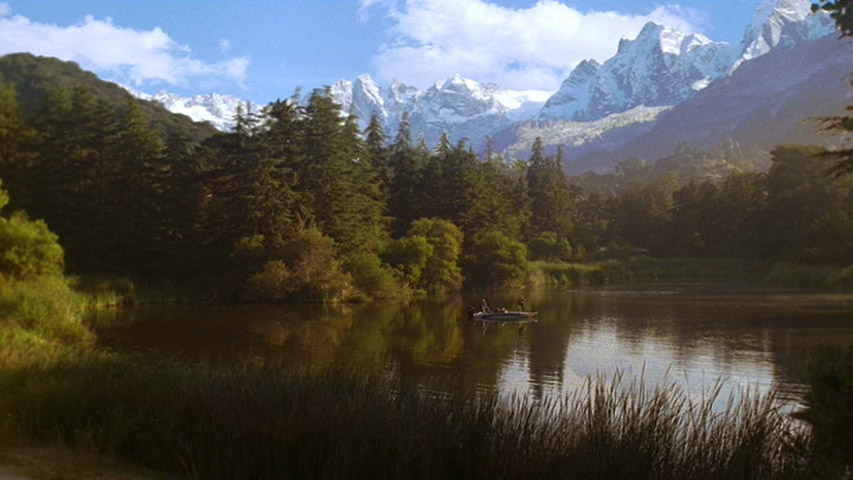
x: 441, y: 272
x: 547, y: 246
x: 551, y: 199
x: 303, y: 268
x: 28, y: 249
x: 577, y: 274
x: 373, y: 278
x: 496, y: 261
x: 409, y: 255
x: 45, y: 306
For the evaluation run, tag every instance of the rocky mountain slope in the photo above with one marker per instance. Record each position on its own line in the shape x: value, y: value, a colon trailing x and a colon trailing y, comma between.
x: 757, y: 104
x: 603, y: 108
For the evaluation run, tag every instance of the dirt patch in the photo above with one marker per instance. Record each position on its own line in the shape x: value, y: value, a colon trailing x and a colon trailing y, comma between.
x: 27, y: 462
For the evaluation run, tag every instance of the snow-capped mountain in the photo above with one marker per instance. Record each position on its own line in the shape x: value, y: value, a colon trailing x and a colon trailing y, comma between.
x: 218, y: 110
x: 782, y: 23
x: 770, y: 100
x: 662, y: 66
x: 628, y: 93
x: 460, y: 107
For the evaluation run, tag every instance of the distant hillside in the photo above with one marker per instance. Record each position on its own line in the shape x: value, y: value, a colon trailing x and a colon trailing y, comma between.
x: 768, y: 101
x: 34, y: 76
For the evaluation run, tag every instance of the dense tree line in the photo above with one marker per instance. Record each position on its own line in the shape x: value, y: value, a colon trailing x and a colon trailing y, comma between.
x: 297, y: 203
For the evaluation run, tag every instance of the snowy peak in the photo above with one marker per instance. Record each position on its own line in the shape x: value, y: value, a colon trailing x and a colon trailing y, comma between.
x: 782, y: 23
x: 362, y: 98
x: 573, y: 93
x: 662, y: 66
x: 216, y: 109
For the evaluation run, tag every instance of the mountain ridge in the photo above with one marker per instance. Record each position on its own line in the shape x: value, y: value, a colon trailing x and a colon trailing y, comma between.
x: 659, y: 69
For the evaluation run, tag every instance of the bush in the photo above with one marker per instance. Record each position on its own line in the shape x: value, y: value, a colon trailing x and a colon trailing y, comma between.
x: 497, y: 261
x: 305, y: 268
x: 372, y: 278
x: 44, y: 305
x: 410, y: 256
x: 27, y: 248
x: 547, y: 246
x: 441, y: 272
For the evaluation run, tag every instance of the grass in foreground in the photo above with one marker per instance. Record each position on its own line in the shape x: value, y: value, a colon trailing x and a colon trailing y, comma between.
x: 202, y: 421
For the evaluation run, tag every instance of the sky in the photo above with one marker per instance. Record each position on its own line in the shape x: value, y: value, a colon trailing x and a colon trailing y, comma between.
x: 261, y: 50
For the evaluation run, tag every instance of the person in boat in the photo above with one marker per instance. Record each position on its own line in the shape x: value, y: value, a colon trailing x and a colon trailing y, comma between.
x: 521, y: 302
x: 485, y: 307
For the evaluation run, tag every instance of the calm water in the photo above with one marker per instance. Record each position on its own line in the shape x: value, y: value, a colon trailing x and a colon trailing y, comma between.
x: 757, y: 341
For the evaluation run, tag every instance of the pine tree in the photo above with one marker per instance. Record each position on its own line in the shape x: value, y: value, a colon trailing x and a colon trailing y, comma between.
x: 345, y: 200
x: 550, y: 196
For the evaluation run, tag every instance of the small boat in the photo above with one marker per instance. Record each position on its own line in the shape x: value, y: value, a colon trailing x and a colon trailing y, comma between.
x: 509, y: 316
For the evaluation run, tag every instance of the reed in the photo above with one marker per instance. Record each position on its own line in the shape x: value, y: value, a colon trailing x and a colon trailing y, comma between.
x: 206, y: 421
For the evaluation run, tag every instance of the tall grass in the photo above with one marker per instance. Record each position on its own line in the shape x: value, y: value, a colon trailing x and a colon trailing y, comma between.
x: 812, y: 277
x: 247, y: 422
x: 647, y: 269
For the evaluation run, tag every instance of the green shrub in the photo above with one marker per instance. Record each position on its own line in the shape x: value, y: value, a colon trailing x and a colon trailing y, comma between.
x: 44, y: 305
x: 441, y: 272
x: 304, y: 268
x: 497, y: 261
x: 27, y: 248
x: 409, y: 255
x: 547, y: 246
x: 372, y: 278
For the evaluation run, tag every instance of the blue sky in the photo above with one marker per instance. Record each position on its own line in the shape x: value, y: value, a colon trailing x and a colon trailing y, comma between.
x: 264, y: 49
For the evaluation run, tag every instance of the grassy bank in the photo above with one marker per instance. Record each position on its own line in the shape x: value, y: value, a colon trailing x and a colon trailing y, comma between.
x: 706, y: 270
x: 647, y: 269
x: 257, y: 422
x: 240, y: 422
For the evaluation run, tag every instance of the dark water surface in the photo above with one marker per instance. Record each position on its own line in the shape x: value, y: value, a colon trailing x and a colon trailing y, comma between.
x: 676, y: 335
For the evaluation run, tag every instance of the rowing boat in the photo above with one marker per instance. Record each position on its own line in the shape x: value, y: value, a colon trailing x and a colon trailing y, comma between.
x: 514, y: 316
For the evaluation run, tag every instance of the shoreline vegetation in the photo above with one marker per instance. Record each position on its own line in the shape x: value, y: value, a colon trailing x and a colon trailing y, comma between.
x: 199, y: 420
x: 297, y: 204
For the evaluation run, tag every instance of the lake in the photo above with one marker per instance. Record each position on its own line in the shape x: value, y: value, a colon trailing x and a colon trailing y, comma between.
x: 691, y: 336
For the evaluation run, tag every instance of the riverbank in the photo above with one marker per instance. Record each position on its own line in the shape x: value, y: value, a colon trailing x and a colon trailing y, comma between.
x: 644, y: 269
x: 253, y: 421
x: 258, y: 420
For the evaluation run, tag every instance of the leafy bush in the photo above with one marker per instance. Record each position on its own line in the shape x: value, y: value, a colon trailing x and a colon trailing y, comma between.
x: 441, y: 272
x: 497, y: 261
x: 547, y: 246
x: 410, y: 256
x: 44, y: 305
x: 304, y: 268
x: 27, y: 248
x: 372, y: 278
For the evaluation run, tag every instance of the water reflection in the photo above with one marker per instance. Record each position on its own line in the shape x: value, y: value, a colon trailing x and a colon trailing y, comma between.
x: 696, y: 340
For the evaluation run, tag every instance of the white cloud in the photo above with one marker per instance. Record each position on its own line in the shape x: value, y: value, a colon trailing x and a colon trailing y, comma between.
x: 5, y: 9
x: 224, y: 45
x: 125, y: 55
x: 535, y: 47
